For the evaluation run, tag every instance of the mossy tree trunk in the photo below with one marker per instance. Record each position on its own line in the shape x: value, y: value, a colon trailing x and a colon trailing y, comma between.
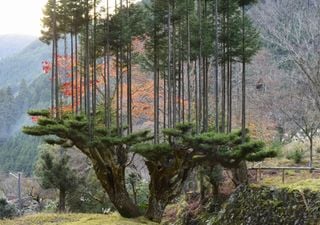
x: 110, y: 165
x: 165, y: 185
x: 112, y: 178
x: 240, y: 174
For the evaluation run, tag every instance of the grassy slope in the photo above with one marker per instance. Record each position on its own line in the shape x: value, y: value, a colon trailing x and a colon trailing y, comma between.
x: 75, y: 219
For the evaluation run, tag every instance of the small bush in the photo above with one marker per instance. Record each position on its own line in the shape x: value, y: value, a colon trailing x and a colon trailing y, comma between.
x: 7, y: 210
x: 296, y: 156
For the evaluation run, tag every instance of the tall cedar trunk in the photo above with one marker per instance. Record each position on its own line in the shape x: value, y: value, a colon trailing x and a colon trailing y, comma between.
x: 87, y: 73
x: 205, y: 78
x: 55, y: 65
x: 52, y: 77
x: 121, y: 69
x: 223, y: 98
x: 311, y: 150
x: 94, y: 75
x: 188, y: 65
x: 112, y: 179
x: 174, y: 74
x: 156, y: 82
x: 179, y: 78
x: 72, y: 74
x: 105, y: 86
x: 230, y: 100
x: 196, y: 90
x: 216, y: 66
x: 82, y: 92
x: 117, y: 93
x: 242, y: 174
x: 105, y: 52
x: 169, y: 67
x: 62, y: 200
x: 200, y: 72
x: 129, y: 76
x: 228, y: 67
x: 109, y: 121
x: 76, y: 72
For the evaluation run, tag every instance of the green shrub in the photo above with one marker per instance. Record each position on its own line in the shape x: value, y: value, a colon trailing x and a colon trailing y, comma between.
x: 7, y: 210
x: 138, y: 189
x: 296, y: 156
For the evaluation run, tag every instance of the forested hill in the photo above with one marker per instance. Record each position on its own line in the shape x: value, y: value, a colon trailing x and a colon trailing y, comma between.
x: 18, y: 151
x: 22, y: 86
x: 23, y: 65
x: 11, y: 44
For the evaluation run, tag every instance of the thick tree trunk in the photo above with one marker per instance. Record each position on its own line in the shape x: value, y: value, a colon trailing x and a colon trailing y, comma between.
x: 240, y: 174
x: 113, y: 181
x: 155, y: 209
x: 166, y: 184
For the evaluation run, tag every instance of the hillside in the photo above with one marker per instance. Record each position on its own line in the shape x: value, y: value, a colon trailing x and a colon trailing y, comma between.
x: 18, y: 151
x: 24, y: 65
x: 12, y: 43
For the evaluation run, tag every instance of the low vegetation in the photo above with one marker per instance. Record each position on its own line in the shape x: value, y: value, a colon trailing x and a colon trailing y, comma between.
x: 75, y: 219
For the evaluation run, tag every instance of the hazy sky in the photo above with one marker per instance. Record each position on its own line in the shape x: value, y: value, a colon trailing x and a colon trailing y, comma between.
x: 24, y: 16
x: 21, y: 16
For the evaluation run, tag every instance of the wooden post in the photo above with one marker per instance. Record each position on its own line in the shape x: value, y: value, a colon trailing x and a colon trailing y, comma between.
x: 283, y: 176
x: 259, y: 172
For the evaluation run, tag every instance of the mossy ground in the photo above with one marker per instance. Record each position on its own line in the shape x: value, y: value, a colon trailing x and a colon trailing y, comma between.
x: 75, y: 219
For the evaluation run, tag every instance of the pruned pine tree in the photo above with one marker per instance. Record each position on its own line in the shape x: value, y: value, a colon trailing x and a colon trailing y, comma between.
x: 177, y: 50
x: 169, y: 163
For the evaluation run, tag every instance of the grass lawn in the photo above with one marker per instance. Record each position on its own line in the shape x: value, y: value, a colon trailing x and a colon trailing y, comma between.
x: 75, y: 219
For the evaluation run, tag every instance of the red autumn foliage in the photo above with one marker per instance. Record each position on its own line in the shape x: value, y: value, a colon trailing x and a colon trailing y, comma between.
x: 34, y: 119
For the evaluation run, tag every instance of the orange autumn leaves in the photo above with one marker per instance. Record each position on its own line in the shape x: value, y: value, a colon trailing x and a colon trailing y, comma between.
x: 142, y: 87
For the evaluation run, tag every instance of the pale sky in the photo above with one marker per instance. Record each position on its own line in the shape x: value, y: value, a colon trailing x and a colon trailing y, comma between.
x: 21, y: 16
x: 24, y: 16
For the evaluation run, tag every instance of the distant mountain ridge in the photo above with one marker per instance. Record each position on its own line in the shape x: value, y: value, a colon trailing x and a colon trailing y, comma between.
x: 11, y: 44
x: 25, y: 64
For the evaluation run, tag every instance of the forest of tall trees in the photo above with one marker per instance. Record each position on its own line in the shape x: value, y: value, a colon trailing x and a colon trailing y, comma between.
x: 169, y: 62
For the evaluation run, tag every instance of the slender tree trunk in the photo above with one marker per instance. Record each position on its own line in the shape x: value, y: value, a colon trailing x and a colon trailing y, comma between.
x: 109, y: 121
x: 241, y: 174
x: 169, y: 67
x: 223, y: 98
x: 94, y: 80
x: 52, y: 77
x: 311, y: 151
x: 76, y: 73
x: 121, y: 69
x: 55, y: 46
x: 72, y: 73
x: 188, y: 65
x: 174, y: 73
x: 156, y: 80
x: 62, y: 200
x: 129, y: 76
x: 216, y: 66
x: 200, y: 71
x: 196, y: 87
